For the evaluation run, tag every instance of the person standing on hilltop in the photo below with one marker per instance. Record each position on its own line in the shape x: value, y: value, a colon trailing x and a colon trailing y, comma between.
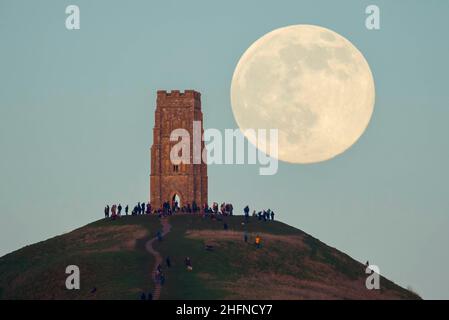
x: 126, y: 209
x: 119, y: 208
x: 223, y: 209
x: 106, y: 211
x: 114, y: 211
x: 142, y: 207
x: 175, y: 206
x: 215, y: 207
x: 272, y: 215
x: 246, y: 211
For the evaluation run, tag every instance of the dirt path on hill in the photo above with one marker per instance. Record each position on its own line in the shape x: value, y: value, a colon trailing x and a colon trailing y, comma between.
x: 157, y: 256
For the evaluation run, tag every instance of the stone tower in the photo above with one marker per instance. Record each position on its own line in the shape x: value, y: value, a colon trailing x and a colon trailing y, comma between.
x: 175, y: 110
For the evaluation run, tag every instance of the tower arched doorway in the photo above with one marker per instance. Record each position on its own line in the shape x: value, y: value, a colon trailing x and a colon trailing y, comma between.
x: 176, y: 201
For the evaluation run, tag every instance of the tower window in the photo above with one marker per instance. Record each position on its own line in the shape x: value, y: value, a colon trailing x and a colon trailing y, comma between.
x: 175, y: 168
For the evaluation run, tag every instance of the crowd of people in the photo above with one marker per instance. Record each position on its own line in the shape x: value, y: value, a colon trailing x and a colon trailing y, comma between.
x: 215, y: 211
x: 115, y: 211
x: 225, y: 209
x: 264, y: 215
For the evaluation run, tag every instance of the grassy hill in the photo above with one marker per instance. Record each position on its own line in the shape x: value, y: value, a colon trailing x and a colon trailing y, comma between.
x: 112, y: 258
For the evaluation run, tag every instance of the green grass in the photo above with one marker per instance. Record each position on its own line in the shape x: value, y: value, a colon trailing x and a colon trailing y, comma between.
x: 215, y: 271
x: 38, y: 271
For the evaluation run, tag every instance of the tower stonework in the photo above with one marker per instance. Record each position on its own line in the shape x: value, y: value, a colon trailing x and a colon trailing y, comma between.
x: 176, y: 110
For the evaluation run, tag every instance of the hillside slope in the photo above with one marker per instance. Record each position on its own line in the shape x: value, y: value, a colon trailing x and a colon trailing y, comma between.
x: 112, y: 259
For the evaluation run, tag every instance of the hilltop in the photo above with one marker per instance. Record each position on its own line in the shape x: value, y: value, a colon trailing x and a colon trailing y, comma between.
x: 113, y: 257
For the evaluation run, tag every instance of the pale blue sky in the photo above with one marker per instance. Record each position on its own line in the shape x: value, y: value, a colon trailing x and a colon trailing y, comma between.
x: 76, y: 113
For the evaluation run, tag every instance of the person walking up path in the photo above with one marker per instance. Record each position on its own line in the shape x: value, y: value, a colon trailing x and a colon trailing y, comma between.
x: 158, y: 258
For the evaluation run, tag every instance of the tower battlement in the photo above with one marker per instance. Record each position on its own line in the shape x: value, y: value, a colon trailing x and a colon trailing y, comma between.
x: 177, y: 93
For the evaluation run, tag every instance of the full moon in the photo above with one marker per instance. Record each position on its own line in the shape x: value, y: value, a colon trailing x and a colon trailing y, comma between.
x: 311, y: 84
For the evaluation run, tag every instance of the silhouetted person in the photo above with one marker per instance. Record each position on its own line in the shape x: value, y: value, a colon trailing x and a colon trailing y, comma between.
x: 246, y: 211
x: 142, y: 207
x: 126, y: 209
x: 106, y: 211
x: 143, y: 296
x: 113, y: 212
x: 272, y: 215
x: 215, y: 207
x: 119, y: 208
